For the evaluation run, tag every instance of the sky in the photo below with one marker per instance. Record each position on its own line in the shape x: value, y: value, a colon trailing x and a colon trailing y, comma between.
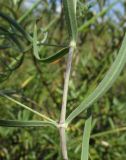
x: 28, y: 3
x: 118, y: 7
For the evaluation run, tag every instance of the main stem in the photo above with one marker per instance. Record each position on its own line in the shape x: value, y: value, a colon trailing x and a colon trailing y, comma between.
x: 64, y: 103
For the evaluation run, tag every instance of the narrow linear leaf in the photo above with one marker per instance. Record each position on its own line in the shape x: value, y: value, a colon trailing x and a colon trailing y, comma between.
x: 49, y: 59
x: 28, y: 12
x: 93, y: 19
x: 16, y: 123
x: 75, y: 5
x: 54, y: 57
x: 70, y: 15
x: 28, y: 108
x: 106, y: 133
x: 86, y: 137
x: 16, y: 63
x: 35, y: 47
x: 8, y: 7
x: 45, y: 35
x: 51, y: 45
x: 14, y: 23
x: 51, y: 23
x: 105, y: 84
x: 7, y: 91
x: 4, y: 46
x: 18, y: 60
x: 11, y: 36
x: 4, y: 76
x: 15, y: 2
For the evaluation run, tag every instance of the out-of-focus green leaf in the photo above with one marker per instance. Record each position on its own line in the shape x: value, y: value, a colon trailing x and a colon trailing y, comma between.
x: 8, y: 34
x: 4, y: 46
x: 93, y: 19
x: 15, y: 2
x: 28, y: 12
x: 14, y: 23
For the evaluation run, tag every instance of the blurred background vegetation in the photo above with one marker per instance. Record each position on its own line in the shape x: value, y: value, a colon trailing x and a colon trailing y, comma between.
x: 40, y: 85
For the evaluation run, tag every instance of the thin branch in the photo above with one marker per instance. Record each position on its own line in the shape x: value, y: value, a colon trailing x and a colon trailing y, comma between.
x: 64, y: 103
x: 66, y: 83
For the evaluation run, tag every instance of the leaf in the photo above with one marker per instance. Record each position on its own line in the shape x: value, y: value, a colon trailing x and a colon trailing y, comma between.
x: 106, y: 133
x: 17, y: 123
x: 28, y: 12
x: 54, y: 57
x: 4, y: 46
x: 30, y: 109
x: 51, y: 23
x: 105, y: 84
x: 45, y: 33
x: 50, y: 59
x: 70, y: 15
x: 15, y: 2
x: 14, y: 23
x: 16, y: 63
x: 11, y: 36
x: 75, y: 5
x: 93, y: 19
x: 86, y: 137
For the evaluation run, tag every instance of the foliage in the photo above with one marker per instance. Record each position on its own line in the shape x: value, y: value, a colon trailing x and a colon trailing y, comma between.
x: 27, y: 34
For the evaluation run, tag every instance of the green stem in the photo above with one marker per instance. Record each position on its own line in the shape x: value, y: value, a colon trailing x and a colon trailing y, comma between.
x: 108, y: 132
